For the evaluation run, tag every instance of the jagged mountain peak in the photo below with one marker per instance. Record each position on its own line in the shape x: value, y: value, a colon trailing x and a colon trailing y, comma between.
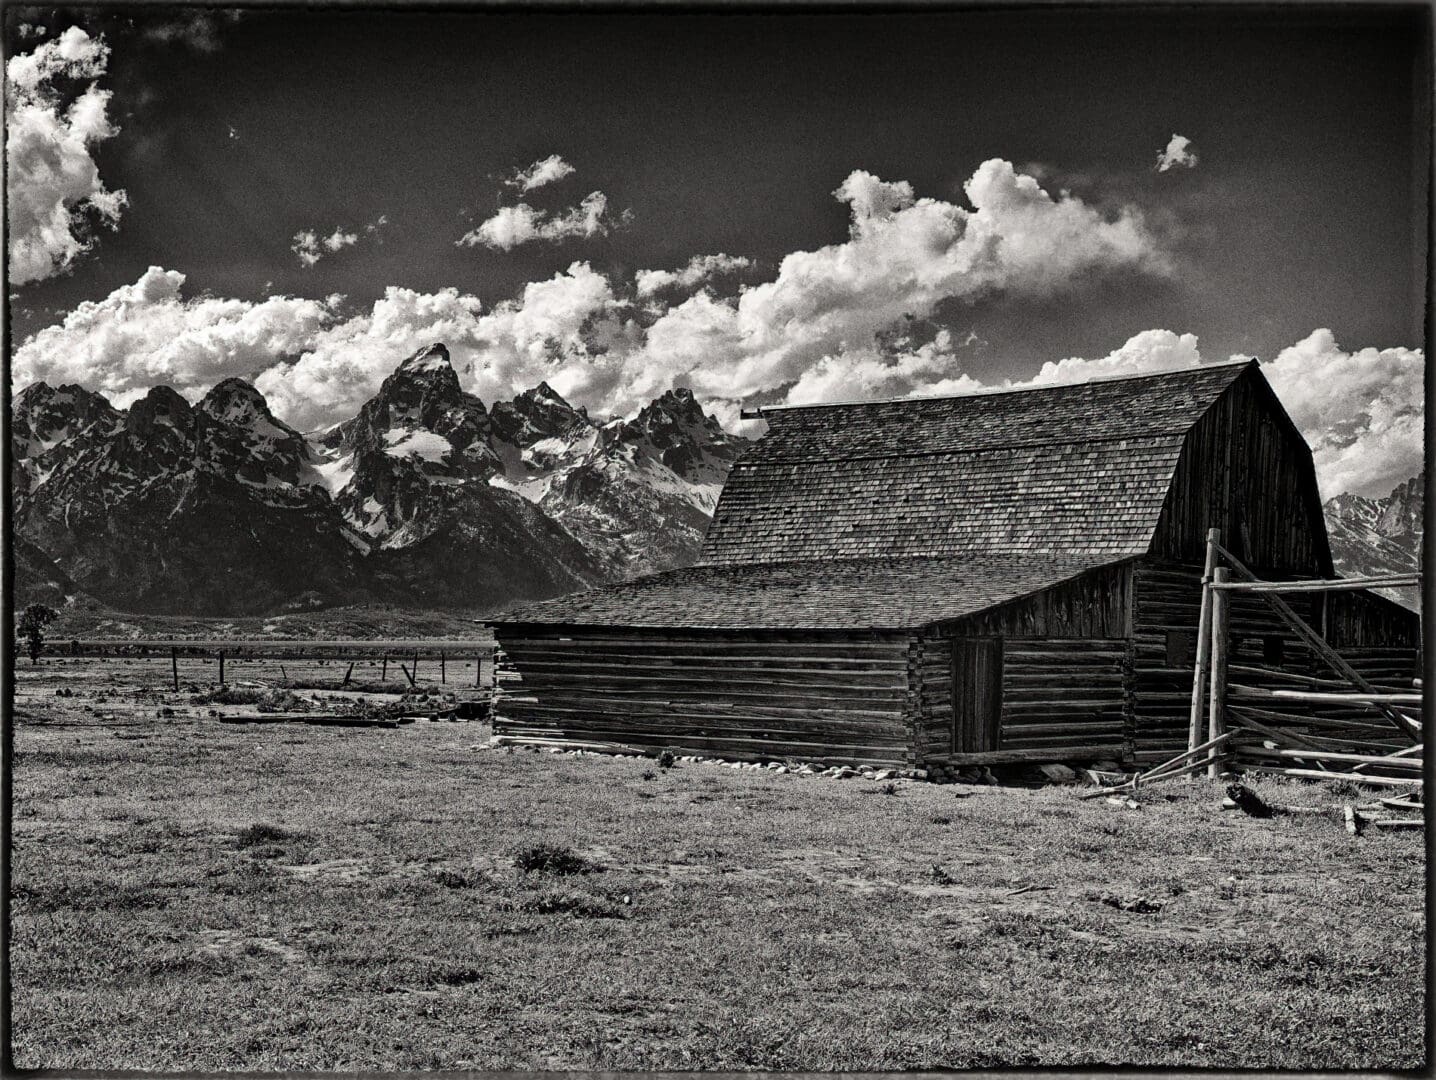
x: 162, y: 407
x: 239, y: 404
x: 433, y: 357
x: 42, y: 416
x: 1379, y: 536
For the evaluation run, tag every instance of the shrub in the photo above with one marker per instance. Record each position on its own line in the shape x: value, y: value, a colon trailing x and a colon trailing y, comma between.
x: 261, y: 833
x: 551, y: 859
x: 667, y: 759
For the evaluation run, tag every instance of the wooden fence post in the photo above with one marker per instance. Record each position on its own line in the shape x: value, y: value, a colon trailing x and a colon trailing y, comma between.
x: 478, y: 671
x: 221, y: 667
x: 384, y: 671
x: 174, y: 666
x: 443, y: 677
x: 1204, y: 641
x: 1216, y: 716
x: 414, y: 679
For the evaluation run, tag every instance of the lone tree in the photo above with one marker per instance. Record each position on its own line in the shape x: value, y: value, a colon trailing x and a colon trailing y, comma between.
x: 32, y: 627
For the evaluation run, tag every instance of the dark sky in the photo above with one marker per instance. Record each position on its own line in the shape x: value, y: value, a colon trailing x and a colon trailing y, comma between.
x: 728, y: 132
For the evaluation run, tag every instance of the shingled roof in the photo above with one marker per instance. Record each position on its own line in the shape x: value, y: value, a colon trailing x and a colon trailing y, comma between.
x: 855, y: 594
x: 1072, y: 471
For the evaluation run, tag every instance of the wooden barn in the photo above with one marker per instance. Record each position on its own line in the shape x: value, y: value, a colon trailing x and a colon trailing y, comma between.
x: 989, y: 578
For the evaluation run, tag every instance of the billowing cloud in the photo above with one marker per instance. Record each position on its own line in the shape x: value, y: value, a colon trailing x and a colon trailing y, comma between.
x: 1362, y: 412
x: 904, y: 256
x: 146, y: 333
x: 1177, y: 155
x: 53, y: 187
x: 698, y: 269
x: 852, y: 319
x: 522, y: 224
x: 1151, y: 350
x: 311, y: 247
x: 547, y: 171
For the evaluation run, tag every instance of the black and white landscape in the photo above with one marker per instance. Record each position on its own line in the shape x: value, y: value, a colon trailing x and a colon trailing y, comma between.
x: 575, y: 539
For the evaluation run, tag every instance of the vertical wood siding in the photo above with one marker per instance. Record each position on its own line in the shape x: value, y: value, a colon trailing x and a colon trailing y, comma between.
x: 1245, y: 470
x: 822, y: 697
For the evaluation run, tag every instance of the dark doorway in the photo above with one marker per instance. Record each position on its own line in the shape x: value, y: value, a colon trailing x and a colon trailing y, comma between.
x: 976, y: 694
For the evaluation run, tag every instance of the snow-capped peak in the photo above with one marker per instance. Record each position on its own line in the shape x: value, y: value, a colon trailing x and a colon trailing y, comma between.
x: 433, y: 357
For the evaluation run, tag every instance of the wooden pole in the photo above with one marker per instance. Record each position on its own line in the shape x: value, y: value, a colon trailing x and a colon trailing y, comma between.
x: 414, y: 678
x: 1204, y: 640
x: 478, y: 671
x: 221, y: 667
x: 1319, y: 646
x: 443, y: 677
x: 384, y: 671
x: 174, y: 666
x: 1216, y: 721
x: 349, y: 673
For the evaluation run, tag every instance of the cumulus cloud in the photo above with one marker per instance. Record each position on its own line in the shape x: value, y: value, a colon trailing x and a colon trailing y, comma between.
x: 699, y: 269
x: 147, y: 333
x: 852, y: 319
x: 1176, y: 155
x: 547, y: 171
x: 903, y: 257
x: 1362, y: 411
x: 311, y: 247
x: 53, y: 187
x: 1151, y: 350
x: 522, y: 224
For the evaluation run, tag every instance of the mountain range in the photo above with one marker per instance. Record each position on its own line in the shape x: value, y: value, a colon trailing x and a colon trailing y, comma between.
x: 424, y: 499
x: 1380, y: 536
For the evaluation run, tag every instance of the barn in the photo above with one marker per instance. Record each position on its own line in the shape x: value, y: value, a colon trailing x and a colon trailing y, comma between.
x: 989, y: 578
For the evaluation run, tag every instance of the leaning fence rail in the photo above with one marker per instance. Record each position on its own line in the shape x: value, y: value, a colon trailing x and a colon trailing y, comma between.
x: 1260, y: 729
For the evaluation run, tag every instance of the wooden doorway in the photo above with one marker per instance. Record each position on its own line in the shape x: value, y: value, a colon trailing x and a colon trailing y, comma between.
x: 976, y: 694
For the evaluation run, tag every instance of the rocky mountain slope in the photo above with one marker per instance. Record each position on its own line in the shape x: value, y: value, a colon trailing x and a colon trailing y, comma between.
x: 1379, y: 536
x: 424, y: 499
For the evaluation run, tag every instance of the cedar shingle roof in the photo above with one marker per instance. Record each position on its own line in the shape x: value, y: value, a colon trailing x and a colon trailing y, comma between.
x: 849, y: 595
x: 1074, y: 470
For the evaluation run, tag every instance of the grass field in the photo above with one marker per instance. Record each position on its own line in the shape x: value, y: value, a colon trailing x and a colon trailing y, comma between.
x: 191, y: 895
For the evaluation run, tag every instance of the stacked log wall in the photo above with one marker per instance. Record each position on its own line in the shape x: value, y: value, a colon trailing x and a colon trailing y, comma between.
x: 830, y: 698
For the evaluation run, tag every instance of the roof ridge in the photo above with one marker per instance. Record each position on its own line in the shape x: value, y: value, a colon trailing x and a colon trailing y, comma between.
x: 1085, y: 440
x: 1000, y: 391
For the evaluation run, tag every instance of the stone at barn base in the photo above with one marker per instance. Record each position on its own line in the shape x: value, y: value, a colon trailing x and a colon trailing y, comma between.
x: 1057, y: 773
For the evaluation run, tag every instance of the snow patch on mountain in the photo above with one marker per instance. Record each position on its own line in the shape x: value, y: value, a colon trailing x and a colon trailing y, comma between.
x: 425, y: 444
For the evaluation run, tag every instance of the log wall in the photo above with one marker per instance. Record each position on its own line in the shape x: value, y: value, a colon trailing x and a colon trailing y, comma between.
x: 822, y: 697
x: 1064, y: 673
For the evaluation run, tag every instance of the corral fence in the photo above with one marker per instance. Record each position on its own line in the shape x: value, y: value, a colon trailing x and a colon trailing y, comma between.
x: 456, y: 663
x: 1359, y: 719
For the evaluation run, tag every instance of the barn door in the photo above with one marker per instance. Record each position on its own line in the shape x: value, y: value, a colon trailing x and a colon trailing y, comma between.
x: 976, y: 694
